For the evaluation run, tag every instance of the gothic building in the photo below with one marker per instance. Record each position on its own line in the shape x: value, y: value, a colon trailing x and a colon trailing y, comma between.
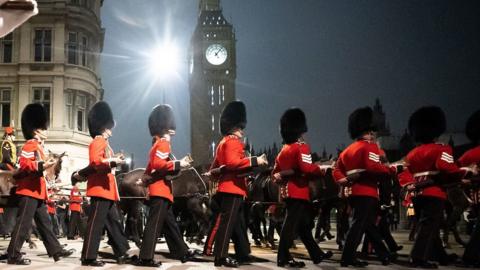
x: 53, y: 59
x: 212, y: 78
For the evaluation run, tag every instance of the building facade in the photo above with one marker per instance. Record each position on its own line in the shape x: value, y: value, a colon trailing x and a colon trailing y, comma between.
x: 53, y: 59
x: 212, y: 78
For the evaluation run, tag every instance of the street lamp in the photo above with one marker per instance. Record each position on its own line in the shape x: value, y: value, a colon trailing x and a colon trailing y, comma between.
x: 164, y: 62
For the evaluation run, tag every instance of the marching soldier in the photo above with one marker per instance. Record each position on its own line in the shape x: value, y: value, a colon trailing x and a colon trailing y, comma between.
x: 295, y: 155
x: 162, y: 127
x: 232, y: 187
x: 9, y: 150
x: 471, y: 255
x: 102, y: 188
x: 51, y: 209
x: 31, y: 189
x: 359, y: 166
x: 75, y: 222
x: 428, y: 167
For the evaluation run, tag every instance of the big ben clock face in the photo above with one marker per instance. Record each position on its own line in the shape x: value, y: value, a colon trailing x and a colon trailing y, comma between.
x: 216, y: 54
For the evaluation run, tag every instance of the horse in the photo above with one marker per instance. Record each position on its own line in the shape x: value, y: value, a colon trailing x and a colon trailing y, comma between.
x: 8, y: 183
x: 190, y: 199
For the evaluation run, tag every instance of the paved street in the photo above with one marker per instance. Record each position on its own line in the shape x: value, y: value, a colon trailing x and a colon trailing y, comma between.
x: 266, y: 257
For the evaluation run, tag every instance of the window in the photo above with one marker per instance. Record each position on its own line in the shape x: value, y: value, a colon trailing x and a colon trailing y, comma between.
x: 81, y: 108
x: 5, y: 98
x: 6, y: 48
x: 84, y: 51
x: 212, y: 96
x: 69, y: 108
x: 43, y: 45
x: 223, y: 92
x: 72, y: 48
x: 42, y: 95
x: 213, y: 123
x: 213, y: 149
x: 76, y: 106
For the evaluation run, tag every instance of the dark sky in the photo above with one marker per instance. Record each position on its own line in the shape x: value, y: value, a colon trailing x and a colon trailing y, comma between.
x: 326, y: 57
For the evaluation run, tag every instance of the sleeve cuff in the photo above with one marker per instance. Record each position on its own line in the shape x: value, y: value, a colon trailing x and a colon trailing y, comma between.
x: 40, y: 168
x: 253, y: 162
x: 176, y: 166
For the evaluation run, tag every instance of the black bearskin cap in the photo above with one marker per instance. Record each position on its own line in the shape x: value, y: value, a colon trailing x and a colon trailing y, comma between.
x: 360, y: 121
x: 426, y: 124
x: 100, y: 118
x: 292, y: 125
x: 34, y: 116
x: 234, y: 115
x: 161, y: 119
x: 472, y: 130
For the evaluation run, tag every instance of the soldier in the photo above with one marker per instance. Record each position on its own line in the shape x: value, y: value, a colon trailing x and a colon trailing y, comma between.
x: 295, y: 155
x: 471, y: 256
x: 162, y: 127
x: 31, y: 189
x: 428, y: 167
x: 51, y: 209
x: 102, y: 188
x: 359, y: 167
x: 9, y: 150
x: 75, y: 223
x: 232, y: 187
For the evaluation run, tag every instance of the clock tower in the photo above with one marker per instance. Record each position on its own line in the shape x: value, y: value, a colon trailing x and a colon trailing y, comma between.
x: 212, y: 73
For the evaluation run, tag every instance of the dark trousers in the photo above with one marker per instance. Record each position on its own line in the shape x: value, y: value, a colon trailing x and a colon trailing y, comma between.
x: 30, y: 209
x: 384, y: 228
x: 363, y: 222
x: 428, y: 245
x: 75, y: 225
x: 230, y: 224
x: 161, y: 219
x: 54, y: 220
x: 472, y: 250
x: 62, y: 216
x: 297, y: 222
x: 103, y: 214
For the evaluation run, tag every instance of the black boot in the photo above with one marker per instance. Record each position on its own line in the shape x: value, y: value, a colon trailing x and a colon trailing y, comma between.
x: 324, y: 256
x: 19, y: 261
x: 291, y: 263
x: 63, y: 253
x: 148, y: 263
x: 227, y: 262
x: 94, y: 263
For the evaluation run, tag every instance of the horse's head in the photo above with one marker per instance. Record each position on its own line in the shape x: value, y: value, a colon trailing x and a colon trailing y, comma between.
x: 58, y: 162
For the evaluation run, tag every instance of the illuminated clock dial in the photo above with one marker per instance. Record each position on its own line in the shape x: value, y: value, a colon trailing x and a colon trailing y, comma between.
x: 216, y: 54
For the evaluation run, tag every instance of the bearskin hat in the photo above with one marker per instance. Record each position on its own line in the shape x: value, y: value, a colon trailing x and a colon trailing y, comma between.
x: 100, y: 118
x: 161, y: 119
x: 34, y: 116
x: 234, y: 115
x: 472, y: 130
x: 426, y: 124
x: 360, y: 121
x: 292, y: 125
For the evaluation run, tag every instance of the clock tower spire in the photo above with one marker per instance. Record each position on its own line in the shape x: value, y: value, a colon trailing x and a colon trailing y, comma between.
x: 212, y: 74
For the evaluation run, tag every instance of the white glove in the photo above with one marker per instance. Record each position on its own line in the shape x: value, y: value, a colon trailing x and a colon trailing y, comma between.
x: 11, y: 19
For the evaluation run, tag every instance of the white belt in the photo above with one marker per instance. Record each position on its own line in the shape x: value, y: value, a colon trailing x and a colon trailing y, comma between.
x: 355, y: 171
x: 426, y: 173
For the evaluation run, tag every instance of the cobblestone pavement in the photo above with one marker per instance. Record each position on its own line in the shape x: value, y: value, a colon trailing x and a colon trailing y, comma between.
x: 266, y: 256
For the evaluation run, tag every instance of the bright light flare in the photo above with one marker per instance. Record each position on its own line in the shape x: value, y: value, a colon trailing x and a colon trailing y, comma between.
x: 164, y: 60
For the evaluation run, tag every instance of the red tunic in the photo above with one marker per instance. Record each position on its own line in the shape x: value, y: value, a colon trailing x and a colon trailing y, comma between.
x: 75, y: 201
x: 159, y: 161
x: 431, y: 160
x: 101, y: 183
x: 470, y: 157
x: 51, y: 207
x: 34, y: 184
x: 296, y: 156
x: 362, y: 157
x: 231, y: 154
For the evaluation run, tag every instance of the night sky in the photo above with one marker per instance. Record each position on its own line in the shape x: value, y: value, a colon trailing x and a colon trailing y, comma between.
x: 326, y: 57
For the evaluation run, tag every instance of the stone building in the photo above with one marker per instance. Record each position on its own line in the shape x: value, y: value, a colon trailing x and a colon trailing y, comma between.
x: 53, y: 59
